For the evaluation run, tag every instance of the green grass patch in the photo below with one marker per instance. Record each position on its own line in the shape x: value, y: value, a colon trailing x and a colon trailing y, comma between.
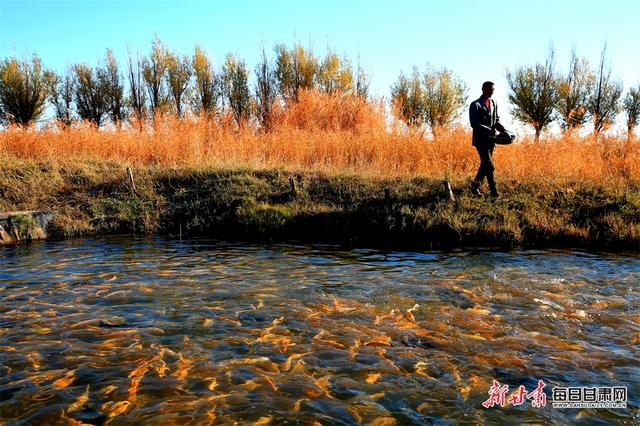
x: 95, y: 197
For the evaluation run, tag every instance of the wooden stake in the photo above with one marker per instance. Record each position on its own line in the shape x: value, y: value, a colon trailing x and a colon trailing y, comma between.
x: 292, y: 184
x: 131, y: 181
x: 449, y: 192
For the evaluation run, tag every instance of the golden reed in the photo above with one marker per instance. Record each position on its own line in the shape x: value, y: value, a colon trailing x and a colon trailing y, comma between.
x: 331, y: 134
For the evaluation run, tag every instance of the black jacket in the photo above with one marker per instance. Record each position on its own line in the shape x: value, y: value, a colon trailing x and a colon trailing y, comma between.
x: 484, y: 121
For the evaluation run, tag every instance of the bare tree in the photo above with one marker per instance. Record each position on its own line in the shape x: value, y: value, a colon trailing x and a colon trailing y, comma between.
x: 114, y: 88
x: 604, y: 101
x: 60, y: 88
x: 178, y: 78
x: 444, y: 96
x: 573, y: 93
x: 534, y: 93
x: 265, y: 89
x: 90, y: 92
x: 407, y: 97
x: 154, y: 70
x: 23, y: 90
x: 205, y: 85
x: 137, y: 98
x: 236, y: 88
x: 632, y: 109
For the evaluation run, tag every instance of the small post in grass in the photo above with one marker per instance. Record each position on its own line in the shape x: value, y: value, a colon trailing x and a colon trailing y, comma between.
x: 292, y: 185
x: 448, y: 191
x: 131, y: 181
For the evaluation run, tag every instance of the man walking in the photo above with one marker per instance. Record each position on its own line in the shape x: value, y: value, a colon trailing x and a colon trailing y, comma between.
x: 483, y: 115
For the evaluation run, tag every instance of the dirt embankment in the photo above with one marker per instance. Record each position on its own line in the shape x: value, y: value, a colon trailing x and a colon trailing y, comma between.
x: 97, y: 197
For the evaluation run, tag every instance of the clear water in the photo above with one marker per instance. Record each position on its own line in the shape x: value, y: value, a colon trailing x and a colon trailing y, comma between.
x: 158, y: 331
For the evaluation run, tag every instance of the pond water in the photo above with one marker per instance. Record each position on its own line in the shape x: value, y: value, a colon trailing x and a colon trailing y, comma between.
x: 158, y: 331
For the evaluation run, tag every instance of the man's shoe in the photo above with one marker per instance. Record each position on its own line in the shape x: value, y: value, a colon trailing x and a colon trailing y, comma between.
x: 475, y: 188
x: 495, y: 193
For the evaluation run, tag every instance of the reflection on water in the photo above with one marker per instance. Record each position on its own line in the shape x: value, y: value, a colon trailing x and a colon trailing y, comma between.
x: 153, y: 330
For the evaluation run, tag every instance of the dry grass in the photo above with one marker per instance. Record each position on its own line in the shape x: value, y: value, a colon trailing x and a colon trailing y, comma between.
x: 331, y: 134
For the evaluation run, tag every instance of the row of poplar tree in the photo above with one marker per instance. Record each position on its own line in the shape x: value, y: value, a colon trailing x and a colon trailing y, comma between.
x: 538, y: 93
x: 164, y: 82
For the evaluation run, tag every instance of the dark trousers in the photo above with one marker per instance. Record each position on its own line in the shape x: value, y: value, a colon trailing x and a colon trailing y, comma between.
x: 485, y: 151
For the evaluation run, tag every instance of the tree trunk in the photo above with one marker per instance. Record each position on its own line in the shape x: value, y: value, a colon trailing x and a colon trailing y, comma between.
x: 537, y: 136
x: 596, y: 134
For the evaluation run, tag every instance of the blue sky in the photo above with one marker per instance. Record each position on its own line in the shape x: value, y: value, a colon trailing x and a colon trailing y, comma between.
x: 477, y: 40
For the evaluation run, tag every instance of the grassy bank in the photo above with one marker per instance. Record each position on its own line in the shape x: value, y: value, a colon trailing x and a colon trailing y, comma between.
x: 96, y: 197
